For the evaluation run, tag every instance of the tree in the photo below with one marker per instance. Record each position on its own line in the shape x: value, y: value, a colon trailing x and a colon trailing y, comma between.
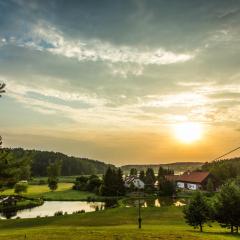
x: 133, y: 172
x: 210, y: 186
x: 11, y: 169
x: 54, y: 171
x: 226, y: 205
x: 197, y: 212
x: 2, y: 88
x: 113, y: 184
x: 142, y: 175
x: 20, y: 188
x: 150, y: 179
x: 120, y: 182
x: 167, y: 188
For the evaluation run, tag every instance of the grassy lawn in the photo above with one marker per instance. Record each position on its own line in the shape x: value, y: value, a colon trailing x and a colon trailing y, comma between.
x: 64, y: 192
x: 120, y: 223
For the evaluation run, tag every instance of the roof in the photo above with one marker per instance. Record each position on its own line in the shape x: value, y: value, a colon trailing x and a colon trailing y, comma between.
x: 130, y: 179
x: 193, y: 177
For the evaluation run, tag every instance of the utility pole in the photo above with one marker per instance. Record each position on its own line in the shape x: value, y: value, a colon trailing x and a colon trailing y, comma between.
x: 139, y: 210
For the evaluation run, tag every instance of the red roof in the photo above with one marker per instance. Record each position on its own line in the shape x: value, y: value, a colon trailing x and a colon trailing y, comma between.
x: 193, y: 177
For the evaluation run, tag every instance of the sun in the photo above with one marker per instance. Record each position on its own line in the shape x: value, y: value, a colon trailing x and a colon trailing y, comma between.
x: 188, y: 132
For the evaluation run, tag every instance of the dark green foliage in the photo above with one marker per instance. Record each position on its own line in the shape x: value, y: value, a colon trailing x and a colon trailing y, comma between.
x: 166, y: 188
x: 133, y: 172
x: 70, y: 165
x: 20, y: 188
x: 53, y: 184
x: 12, y: 170
x: 164, y: 171
x: 210, y: 185
x: 223, y: 170
x: 227, y: 205
x: 90, y: 184
x: 54, y: 171
x: 197, y: 212
x: 113, y: 184
x: 142, y: 175
x: 149, y: 180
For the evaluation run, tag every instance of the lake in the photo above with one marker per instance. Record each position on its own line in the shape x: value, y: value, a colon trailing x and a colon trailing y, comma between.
x: 49, y: 208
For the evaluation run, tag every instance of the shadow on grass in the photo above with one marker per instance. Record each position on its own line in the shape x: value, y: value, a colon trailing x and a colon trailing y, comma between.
x: 225, y: 234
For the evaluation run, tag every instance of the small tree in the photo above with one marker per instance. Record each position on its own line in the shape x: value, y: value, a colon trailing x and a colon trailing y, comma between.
x: 20, y: 188
x: 197, y: 211
x: 53, y: 184
x: 54, y: 171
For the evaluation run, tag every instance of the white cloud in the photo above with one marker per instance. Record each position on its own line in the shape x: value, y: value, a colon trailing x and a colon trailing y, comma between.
x: 47, y: 38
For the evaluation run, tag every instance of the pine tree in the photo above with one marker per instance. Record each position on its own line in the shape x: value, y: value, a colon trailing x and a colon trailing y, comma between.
x: 133, y: 172
x: 142, y: 175
x: 120, y: 182
x: 150, y: 179
x: 197, y: 212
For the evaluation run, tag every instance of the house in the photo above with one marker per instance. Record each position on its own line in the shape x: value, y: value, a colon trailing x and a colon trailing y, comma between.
x: 193, y: 180
x: 135, y: 181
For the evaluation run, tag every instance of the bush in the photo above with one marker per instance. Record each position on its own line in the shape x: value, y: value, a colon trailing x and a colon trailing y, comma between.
x: 20, y: 187
x: 59, y: 213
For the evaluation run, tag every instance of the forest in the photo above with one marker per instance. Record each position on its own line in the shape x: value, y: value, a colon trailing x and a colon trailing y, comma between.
x: 38, y: 162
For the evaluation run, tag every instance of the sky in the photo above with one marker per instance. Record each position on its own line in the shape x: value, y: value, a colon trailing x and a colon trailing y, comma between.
x: 111, y: 80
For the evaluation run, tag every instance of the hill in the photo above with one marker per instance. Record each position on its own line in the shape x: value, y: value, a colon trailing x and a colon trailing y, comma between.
x: 177, y: 167
x: 39, y: 161
x: 224, y: 169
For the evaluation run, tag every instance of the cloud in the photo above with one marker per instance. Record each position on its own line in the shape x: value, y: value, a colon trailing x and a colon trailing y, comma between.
x: 45, y: 37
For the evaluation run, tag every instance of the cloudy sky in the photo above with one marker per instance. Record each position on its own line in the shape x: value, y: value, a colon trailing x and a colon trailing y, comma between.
x: 111, y: 80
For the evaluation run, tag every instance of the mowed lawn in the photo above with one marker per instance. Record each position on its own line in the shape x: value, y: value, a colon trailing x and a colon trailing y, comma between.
x: 64, y: 192
x: 120, y: 223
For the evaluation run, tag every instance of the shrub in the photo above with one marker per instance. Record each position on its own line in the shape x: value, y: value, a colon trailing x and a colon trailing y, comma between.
x: 20, y: 187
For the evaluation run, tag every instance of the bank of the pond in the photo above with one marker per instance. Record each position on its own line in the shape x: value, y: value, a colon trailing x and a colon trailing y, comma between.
x: 16, y: 203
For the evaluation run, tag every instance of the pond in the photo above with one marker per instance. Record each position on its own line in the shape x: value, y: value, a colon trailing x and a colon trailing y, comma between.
x: 49, y: 208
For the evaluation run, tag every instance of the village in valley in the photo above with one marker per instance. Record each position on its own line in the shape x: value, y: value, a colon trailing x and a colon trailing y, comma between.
x: 119, y: 120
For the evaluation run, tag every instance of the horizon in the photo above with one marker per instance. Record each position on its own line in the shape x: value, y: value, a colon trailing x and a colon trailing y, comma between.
x: 146, y: 82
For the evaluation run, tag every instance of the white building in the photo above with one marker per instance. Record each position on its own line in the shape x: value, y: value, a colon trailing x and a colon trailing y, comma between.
x: 137, y: 183
x: 192, y: 180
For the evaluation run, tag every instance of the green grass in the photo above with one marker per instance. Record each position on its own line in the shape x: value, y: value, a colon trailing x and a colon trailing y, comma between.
x: 120, y: 223
x: 63, y: 193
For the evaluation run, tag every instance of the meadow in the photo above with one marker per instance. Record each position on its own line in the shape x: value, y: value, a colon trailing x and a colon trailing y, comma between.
x: 63, y: 193
x: 119, y: 223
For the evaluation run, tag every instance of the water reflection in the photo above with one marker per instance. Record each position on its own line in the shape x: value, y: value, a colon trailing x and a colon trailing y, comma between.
x: 155, y: 202
x: 49, y: 208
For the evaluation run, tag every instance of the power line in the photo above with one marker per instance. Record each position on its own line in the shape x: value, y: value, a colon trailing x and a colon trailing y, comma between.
x: 235, y: 149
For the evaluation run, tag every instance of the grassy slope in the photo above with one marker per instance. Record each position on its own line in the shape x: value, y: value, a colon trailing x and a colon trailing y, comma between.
x: 64, y: 192
x: 158, y: 223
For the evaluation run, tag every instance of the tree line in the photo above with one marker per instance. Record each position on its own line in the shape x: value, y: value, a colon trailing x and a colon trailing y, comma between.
x: 223, y: 170
x: 39, y: 161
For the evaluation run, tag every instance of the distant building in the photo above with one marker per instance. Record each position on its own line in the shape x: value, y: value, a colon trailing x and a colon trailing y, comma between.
x: 192, y: 180
x: 135, y: 181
